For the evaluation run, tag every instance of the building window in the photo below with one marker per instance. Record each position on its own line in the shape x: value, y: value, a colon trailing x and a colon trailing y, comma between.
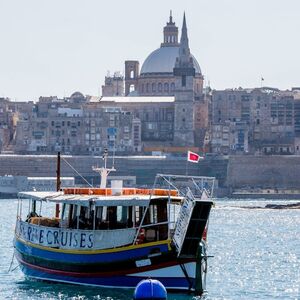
x: 159, y: 87
x: 172, y: 87
x: 131, y: 88
x: 147, y: 88
x: 183, y: 80
x: 166, y: 87
x: 153, y: 87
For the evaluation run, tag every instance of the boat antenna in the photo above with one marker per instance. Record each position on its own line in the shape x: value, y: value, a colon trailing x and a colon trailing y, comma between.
x: 104, y: 171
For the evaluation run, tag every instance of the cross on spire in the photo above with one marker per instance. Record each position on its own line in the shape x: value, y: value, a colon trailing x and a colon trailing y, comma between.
x: 170, y: 19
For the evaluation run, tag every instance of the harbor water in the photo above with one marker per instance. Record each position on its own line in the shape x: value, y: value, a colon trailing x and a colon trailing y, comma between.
x: 256, y: 256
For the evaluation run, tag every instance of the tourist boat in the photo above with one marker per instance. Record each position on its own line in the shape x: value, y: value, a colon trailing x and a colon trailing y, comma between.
x: 115, y: 237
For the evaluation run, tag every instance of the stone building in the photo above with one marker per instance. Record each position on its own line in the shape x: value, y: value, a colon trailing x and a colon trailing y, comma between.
x: 160, y: 107
x: 8, y: 122
x: 156, y: 76
x: 296, y: 95
x: 263, y: 118
x: 75, y: 127
x: 113, y: 85
x: 169, y: 71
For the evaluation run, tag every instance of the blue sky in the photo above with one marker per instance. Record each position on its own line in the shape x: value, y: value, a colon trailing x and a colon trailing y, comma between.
x: 61, y: 46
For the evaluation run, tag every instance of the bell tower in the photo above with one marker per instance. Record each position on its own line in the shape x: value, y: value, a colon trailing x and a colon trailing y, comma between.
x: 184, y: 73
x: 132, y: 68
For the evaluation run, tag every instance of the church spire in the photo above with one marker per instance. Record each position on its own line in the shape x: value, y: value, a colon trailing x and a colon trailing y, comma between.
x: 184, y: 65
x: 184, y: 50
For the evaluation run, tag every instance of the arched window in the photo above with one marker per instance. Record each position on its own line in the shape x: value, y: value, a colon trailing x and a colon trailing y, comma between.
x: 142, y: 88
x: 147, y: 87
x: 166, y: 87
x: 131, y: 88
x: 153, y: 87
x: 159, y: 87
x: 131, y: 74
x: 172, y: 87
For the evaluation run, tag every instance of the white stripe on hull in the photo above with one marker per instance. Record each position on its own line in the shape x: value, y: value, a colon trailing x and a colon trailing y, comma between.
x: 173, y: 271
x: 96, y: 285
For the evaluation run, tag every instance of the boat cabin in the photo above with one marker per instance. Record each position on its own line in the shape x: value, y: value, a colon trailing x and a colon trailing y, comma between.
x: 92, y: 220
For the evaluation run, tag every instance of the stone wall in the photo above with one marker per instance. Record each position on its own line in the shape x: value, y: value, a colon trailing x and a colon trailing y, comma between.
x: 276, y: 171
x: 144, y: 169
x: 281, y: 172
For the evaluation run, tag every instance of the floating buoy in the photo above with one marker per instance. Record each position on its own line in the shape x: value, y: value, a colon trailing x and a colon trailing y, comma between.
x: 150, y: 289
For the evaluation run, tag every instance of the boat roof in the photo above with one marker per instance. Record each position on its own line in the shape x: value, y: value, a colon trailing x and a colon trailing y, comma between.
x: 86, y: 200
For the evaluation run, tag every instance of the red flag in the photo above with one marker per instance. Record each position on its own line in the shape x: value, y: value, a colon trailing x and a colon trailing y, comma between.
x: 193, y: 157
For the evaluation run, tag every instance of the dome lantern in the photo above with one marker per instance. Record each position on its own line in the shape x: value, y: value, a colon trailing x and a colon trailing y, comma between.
x: 170, y: 33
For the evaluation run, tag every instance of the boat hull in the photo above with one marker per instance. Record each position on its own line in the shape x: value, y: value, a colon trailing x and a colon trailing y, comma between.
x: 118, y: 268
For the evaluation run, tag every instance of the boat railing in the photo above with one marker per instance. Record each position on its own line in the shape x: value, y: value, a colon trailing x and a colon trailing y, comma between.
x: 186, y: 185
x: 191, y: 187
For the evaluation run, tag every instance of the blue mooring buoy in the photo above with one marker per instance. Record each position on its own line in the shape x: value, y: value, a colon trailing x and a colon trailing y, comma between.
x: 150, y: 289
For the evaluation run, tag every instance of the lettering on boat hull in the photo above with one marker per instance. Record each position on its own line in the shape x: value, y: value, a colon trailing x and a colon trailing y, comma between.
x: 71, y: 238
x: 55, y: 237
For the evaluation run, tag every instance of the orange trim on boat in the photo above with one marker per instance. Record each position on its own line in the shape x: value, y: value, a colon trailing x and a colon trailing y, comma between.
x: 125, y: 191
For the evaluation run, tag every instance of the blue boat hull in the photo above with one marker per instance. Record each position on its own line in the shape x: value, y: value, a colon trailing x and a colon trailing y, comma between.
x: 116, y: 268
x: 114, y: 281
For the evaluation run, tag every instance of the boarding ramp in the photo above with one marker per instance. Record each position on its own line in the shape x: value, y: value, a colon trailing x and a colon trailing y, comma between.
x: 193, y: 217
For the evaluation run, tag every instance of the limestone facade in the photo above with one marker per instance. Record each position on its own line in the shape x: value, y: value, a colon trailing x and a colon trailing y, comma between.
x: 263, y: 118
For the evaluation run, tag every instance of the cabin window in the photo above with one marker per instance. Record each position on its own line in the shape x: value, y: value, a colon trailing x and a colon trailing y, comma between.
x: 153, y: 214
x: 138, y: 214
x: 66, y: 210
x: 122, y: 213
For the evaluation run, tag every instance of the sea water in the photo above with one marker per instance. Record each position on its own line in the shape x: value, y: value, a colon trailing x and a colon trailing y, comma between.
x: 256, y: 256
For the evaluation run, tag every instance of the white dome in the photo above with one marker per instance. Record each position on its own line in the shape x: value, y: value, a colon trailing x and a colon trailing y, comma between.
x: 163, y: 59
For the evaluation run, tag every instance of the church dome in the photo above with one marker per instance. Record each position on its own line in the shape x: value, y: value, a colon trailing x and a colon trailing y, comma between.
x: 163, y: 59
x: 77, y: 95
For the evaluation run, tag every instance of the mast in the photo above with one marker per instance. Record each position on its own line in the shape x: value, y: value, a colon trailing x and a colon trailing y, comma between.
x: 104, y: 171
x: 58, y: 183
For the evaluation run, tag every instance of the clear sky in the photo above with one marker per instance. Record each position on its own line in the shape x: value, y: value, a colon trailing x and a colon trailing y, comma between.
x: 60, y: 46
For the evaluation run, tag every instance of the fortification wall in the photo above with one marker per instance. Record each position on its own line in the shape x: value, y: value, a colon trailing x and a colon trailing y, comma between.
x: 263, y: 172
x: 235, y: 172
x: 144, y: 169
